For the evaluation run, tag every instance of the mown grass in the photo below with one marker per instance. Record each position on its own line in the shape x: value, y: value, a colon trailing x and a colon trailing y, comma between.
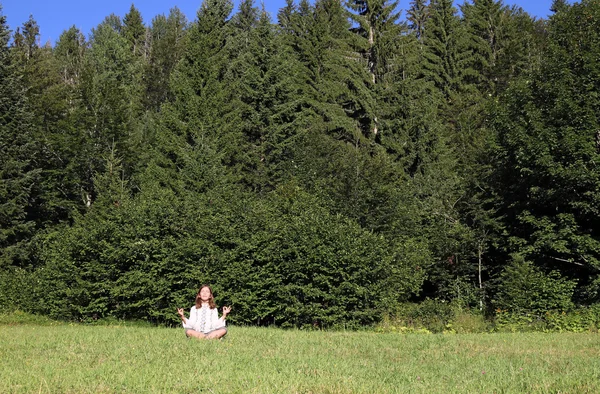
x: 63, y: 358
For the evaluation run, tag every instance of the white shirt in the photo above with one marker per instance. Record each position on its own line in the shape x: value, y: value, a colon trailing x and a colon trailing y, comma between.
x: 204, y: 319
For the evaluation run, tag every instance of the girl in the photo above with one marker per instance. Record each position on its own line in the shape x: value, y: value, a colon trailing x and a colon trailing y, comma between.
x: 204, y: 321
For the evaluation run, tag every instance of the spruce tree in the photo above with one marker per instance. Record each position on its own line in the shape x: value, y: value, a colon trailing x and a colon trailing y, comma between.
x: 52, y: 101
x: 188, y: 154
x: 167, y: 43
x: 134, y: 32
x: 18, y: 174
x: 111, y: 94
x: 445, y: 62
x: 378, y: 24
x: 501, y: 38
x: 417, y: 15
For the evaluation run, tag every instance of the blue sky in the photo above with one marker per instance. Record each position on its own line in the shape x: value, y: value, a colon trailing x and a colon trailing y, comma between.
x: 55, y: 16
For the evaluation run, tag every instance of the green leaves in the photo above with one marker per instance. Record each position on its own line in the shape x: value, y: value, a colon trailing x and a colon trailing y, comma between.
x: 316, y: 171
x: 525, y: 289
x: 548, y: 152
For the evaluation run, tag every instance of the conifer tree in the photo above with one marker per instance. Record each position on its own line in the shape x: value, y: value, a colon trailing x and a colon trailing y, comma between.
x: 52, y: 97
x: 111, y: 94
x: 188, y: 151
x: 248, y: 93
x: 65, y: 158
x: 500, y: 42
x: 336, y: 86
x: 167, y: 43
x: 135, y: 32
x: 378, y: 24
x: 417, y: 15
x: 445, y: 44
x: 17, y: 151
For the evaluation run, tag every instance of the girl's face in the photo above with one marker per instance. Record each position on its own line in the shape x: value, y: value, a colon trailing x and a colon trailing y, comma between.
x: 205, y: 294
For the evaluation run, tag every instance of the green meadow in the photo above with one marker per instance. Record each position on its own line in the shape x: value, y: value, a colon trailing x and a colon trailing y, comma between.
x: 69, y: 358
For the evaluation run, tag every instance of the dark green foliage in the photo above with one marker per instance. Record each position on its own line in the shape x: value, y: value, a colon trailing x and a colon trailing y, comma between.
x: 16, y: 289
x: 445, y: 58
x: 548, y: 150
x: 111, y: 93
x: 332, y: 88
x: 280, y: 261
x: 502, y: 43
x: 525, y: 289
x: 134, y: 32
x: 378, y: 25
x: 18, y: 173
x: 167, y: 39
x: 416, y: 16
x: 327, y: 271
x: 318, y: 172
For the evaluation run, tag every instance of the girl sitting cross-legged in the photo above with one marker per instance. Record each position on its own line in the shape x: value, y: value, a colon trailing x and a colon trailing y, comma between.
x: 204, y: 321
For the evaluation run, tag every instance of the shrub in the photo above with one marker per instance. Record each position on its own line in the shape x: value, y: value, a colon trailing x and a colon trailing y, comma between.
x: 525, y: 290
x: 467, y: 322
x: 581, y: 319
x: 432, y: 315
x: 16, y: 289
x: 279, y: 260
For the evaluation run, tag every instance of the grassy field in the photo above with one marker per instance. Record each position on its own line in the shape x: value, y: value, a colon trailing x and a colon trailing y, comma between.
x: 63, y: 358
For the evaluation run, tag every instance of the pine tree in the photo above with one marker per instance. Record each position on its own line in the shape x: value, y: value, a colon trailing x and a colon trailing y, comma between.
x: 51, y: 101
x: 417, y: 15
x: 559, y: 6
x: 17, y: 171
x: 248, y: 94
x: 444, y: 41
x: 66, y: 154
x: 188, y: 155
x: 378, y: 25
x: 335, y: 87
x: 167, y: 43
x: 500, y: 38
x: 135, y: 32
x: 111, y: 94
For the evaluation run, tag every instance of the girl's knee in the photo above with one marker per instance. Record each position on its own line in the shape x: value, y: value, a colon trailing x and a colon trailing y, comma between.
x: 194, y: 334
x: 217, y: 333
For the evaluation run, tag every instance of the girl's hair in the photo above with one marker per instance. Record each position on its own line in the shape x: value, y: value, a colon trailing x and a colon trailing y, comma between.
x: 211, y: 300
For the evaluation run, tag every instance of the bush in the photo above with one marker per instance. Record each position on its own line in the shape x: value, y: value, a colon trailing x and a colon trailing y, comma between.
x: 581, y: 319
x: 279, y: 260
x: 19, y: 317
x: 432, y: 315
x: 525, y: 290
x: 16, y: 289
x: 468, y: 322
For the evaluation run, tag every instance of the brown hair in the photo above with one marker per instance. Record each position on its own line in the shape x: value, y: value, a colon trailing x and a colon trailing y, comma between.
x: 211, y: 300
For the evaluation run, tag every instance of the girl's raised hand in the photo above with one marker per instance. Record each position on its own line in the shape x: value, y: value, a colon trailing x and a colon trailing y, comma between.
x: 226, y: 310
x: 180, y: 312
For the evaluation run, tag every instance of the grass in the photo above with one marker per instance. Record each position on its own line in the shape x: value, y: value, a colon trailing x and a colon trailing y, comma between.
x: 64, y: 358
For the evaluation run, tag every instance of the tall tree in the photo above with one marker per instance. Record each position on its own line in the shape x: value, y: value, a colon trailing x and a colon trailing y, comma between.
x: 417, y: 15
x: 17, y: 171
x: 548, y: 148
x: 501, y: 38
x: 378, y: 25
x: 446, y: 63
x: 111, y: 94
x: 188, y: 153
x: 134, y: 32
x: 167, y: 43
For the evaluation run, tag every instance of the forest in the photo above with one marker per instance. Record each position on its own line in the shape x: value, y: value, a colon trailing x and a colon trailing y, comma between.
x: 339, y: 163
